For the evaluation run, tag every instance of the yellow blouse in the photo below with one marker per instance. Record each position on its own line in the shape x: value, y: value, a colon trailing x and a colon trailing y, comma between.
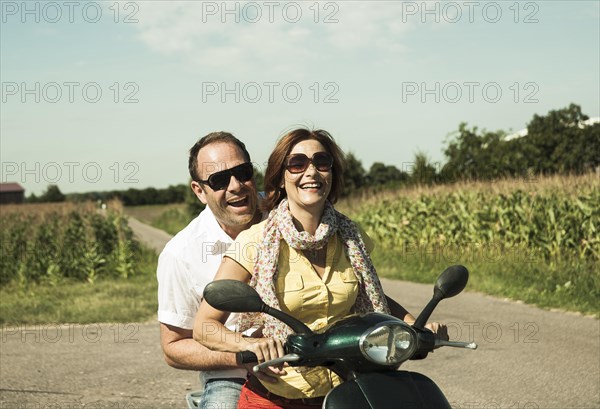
x: 315, y: 301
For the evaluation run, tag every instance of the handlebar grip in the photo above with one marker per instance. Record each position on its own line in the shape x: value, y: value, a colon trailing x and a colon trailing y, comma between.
x: 245, y: 357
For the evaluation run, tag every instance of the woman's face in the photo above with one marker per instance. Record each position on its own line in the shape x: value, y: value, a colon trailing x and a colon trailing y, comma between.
x: 308, y: 189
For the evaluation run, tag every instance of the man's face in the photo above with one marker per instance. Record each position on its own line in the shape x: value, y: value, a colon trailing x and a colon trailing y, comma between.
x: 235, y: 206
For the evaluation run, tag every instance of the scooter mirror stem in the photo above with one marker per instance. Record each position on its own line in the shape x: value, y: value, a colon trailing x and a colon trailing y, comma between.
x: 426, y: 313
x: 451, y: 282
x: 236, y: 296
x: 298, y: 326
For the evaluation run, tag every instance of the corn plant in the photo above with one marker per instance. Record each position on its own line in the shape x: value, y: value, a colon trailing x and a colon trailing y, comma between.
x: 547, y: 223
x: 48, y: 243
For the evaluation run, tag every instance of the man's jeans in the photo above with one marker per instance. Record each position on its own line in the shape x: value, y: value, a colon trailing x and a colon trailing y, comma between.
x: 221, y: 393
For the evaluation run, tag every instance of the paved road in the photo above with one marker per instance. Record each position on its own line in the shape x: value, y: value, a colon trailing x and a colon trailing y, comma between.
x: 528, y: 358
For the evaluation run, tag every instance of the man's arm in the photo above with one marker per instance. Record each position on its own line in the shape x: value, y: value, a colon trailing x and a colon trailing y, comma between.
x: 182, y: 352
x: 176, y: 300
x: 399, y: 311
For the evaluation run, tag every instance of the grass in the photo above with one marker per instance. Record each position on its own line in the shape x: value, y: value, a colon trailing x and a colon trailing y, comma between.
x: 107, y: 300
x: 170, y: 218
x: 148, y: 213
x: 560, y: 283
x: 122, y: 290
x: 567, y: 283
x: 534, y: 282
x: 564, y: 278
x: 132, y: 299
x: 172, y: 221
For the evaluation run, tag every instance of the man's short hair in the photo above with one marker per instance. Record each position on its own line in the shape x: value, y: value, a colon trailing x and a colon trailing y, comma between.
x: 212, y: 137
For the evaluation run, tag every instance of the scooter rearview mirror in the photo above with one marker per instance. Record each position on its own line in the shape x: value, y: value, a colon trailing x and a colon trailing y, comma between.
x: 452, y: 281
x: 236, y: 296
x: 232, y: 296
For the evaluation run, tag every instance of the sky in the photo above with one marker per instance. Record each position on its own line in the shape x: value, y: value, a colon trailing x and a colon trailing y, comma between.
x: 104, y: 95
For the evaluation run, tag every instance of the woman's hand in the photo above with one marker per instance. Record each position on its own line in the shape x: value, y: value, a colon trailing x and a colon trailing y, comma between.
x: 266, y: 349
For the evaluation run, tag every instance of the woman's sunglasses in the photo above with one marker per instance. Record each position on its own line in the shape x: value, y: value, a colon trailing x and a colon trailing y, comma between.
x: 220, y: 180
x: 298, y: 163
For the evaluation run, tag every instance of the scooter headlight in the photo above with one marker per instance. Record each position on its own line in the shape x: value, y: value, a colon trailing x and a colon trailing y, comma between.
x: 389, y: 343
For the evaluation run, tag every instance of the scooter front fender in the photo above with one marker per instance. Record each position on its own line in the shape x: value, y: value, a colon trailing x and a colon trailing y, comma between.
x: 394, y: 389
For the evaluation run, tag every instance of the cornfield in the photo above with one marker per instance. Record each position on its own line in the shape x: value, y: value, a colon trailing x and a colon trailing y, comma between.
x: 535, y: 242
x: 53, y: 242
x: 545, y: 225
x: 546, y: 221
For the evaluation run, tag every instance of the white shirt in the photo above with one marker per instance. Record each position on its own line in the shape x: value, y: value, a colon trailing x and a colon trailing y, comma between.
x: 186, y: 265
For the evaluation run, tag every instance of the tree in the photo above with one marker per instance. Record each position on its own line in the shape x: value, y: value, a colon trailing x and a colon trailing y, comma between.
x: 354, y: 176
x: 52, y: 194
x: 193, y: 204
x: 388, y: 175
x: 462, y: 154
x: 560, y: 142
x: 480, y: 156
x: 423, y: 172
x: 259, y: 179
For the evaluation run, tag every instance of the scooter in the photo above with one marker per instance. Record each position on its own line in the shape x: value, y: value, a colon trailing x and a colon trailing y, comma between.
x: 364, y: 350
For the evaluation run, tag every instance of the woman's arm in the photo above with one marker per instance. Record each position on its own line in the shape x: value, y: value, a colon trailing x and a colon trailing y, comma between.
x: 208, y: 325
x: 210, y: 331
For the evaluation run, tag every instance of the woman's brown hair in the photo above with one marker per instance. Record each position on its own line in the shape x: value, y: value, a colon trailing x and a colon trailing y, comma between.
x: 277, y: 161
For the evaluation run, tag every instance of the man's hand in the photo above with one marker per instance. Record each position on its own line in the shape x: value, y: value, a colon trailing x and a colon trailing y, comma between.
x: 266, y: 349
x: 440, y: 330
x: 271, y: 374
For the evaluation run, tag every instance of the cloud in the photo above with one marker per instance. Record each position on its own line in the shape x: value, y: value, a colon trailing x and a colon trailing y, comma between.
x: 367, y: 25
x: 269, y: 37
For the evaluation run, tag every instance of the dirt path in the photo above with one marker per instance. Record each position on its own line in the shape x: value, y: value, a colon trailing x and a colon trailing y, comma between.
x: 528, y: 358
x: 149, y: 235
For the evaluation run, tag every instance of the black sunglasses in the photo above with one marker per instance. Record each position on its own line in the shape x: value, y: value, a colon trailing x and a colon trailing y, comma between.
x: 220, y: 180
x: 299, y: 162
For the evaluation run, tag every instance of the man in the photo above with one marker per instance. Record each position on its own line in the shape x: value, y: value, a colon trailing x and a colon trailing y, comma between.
x: 222, y: 178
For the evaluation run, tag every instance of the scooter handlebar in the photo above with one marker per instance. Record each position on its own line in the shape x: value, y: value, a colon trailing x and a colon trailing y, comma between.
x: 245, y: 357
x: 456, y: 344
x: 277, y: 361
x: 427, y: 342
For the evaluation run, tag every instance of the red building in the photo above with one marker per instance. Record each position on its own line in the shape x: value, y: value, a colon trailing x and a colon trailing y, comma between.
x: 11, y: 193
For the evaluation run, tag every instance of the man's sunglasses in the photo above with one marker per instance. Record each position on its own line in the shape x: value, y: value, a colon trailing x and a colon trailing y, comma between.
x: 298, y: 163
x: 220, y: 180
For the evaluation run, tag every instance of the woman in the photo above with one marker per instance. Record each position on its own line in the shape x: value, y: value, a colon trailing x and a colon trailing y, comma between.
x: 306, y: 259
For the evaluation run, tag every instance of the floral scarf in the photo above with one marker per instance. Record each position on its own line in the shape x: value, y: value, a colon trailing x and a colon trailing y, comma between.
x: 279, y: 226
